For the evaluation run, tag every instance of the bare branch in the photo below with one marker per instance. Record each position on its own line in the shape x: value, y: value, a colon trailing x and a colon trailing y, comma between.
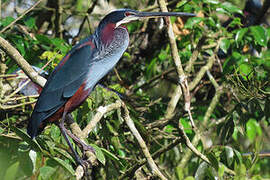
x: 142, y: 144
x: 16, y: 56
x: 101, y: 111
x: 179, y: 69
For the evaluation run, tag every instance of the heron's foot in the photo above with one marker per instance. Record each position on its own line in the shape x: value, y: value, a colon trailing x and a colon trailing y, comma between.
x: 85, y: 166
x: 88, y: 148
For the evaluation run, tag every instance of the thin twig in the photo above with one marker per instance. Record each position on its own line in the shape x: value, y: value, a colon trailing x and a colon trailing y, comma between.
x: 101, y: 111
x: 89, y: 11
x: 132, y: 170
x: 142, y: 144
x: 21, y: 16
x: 179, y: 68
x: 154, y: 79
x: 202, y: 72
x: 5, y: 107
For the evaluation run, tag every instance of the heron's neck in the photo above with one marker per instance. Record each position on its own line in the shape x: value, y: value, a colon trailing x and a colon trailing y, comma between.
x: 106, y: 33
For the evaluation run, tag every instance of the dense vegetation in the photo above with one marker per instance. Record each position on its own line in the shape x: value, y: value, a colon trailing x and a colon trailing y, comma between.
x: 227, y: 70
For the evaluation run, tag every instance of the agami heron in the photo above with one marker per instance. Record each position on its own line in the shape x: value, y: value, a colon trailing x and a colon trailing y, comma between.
x: 83, y: 66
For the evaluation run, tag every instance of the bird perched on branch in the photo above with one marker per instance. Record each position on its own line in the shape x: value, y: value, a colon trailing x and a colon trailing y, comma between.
x: 81, y: 69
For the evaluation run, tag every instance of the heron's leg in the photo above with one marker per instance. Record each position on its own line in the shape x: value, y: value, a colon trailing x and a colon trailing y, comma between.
x: 78, y: 141
x: 64, y: 132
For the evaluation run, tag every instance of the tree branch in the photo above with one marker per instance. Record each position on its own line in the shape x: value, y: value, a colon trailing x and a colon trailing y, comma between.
x: 179, y: 69
x: 142, y: 144
x: 16, y: 56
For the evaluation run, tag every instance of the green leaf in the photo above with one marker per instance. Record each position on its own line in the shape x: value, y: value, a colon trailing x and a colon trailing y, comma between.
x: 64, y: 153
x: 192, y: 22
x: 241, y: 171
x: 12, y: 171
x: 33, y: 157
x: 253, y: 128
x: 224, y: 45
x: 179, y: 172
x: 27, y: 139
x: 151, y: 67
x: 240, y: 34
x: 6, y: 21
x: 259, y: 35
x: 189, y: 178
x: 1, y: 130
x: 99, y: 154
x: 229, y: 155
x: 211, y: 1
x: 20, y: 46
x: 213, y: 160
x: 169, y: 128
x: 238, y: 156
x: 126, y: 54
x: 30, y: 22
x: 245, y: 70
x: 57, y: 42
x: 121, y: 153
x: 43, y: 39
x: 110, y: 155
x: 201, y: 171
x: 65, y: 165
x: 221, y: 171
x: 55, y: 132
x: 231, y: 8
x: 186, y: 124
x: 46, y: 172
x: 163, y: 55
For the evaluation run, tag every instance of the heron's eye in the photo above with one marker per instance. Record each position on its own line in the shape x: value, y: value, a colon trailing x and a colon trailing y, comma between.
x: 128, y: 14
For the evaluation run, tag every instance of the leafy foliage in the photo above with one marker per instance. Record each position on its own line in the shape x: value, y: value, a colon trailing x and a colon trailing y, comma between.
x: 232, y: 137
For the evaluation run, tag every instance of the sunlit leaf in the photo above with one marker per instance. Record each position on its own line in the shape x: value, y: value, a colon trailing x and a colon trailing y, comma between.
x: 12, y: 171
x: 193, y: 21
x: 240, y: 34
x: 213, y: 160
x: 46, y: 172
x: 224, y: 45
x: 26, y: 138
x: 201, y: 171
x: 33, y: 157
x: 253, y: 128
x: 65, y: 165
x: 6, y: 21
x: 231, y: 8
x: 30, y: 22
x: 221, y: 170
x: 259, y: 35
x: 99, y: 154
x: 229, y: 155
x: 186, y: 124
x: 245, y: 70
x: 211, y: 1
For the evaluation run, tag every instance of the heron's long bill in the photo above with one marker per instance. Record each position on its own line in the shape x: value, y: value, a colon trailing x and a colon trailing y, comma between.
x: 137, y: 15
x: 163, y: 14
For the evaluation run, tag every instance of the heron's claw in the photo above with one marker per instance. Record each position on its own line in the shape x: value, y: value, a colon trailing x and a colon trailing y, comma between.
x: 88, y: 148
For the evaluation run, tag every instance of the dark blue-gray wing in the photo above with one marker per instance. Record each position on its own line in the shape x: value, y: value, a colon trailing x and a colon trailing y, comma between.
x: 66, y: 79
x: 63, y: 83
